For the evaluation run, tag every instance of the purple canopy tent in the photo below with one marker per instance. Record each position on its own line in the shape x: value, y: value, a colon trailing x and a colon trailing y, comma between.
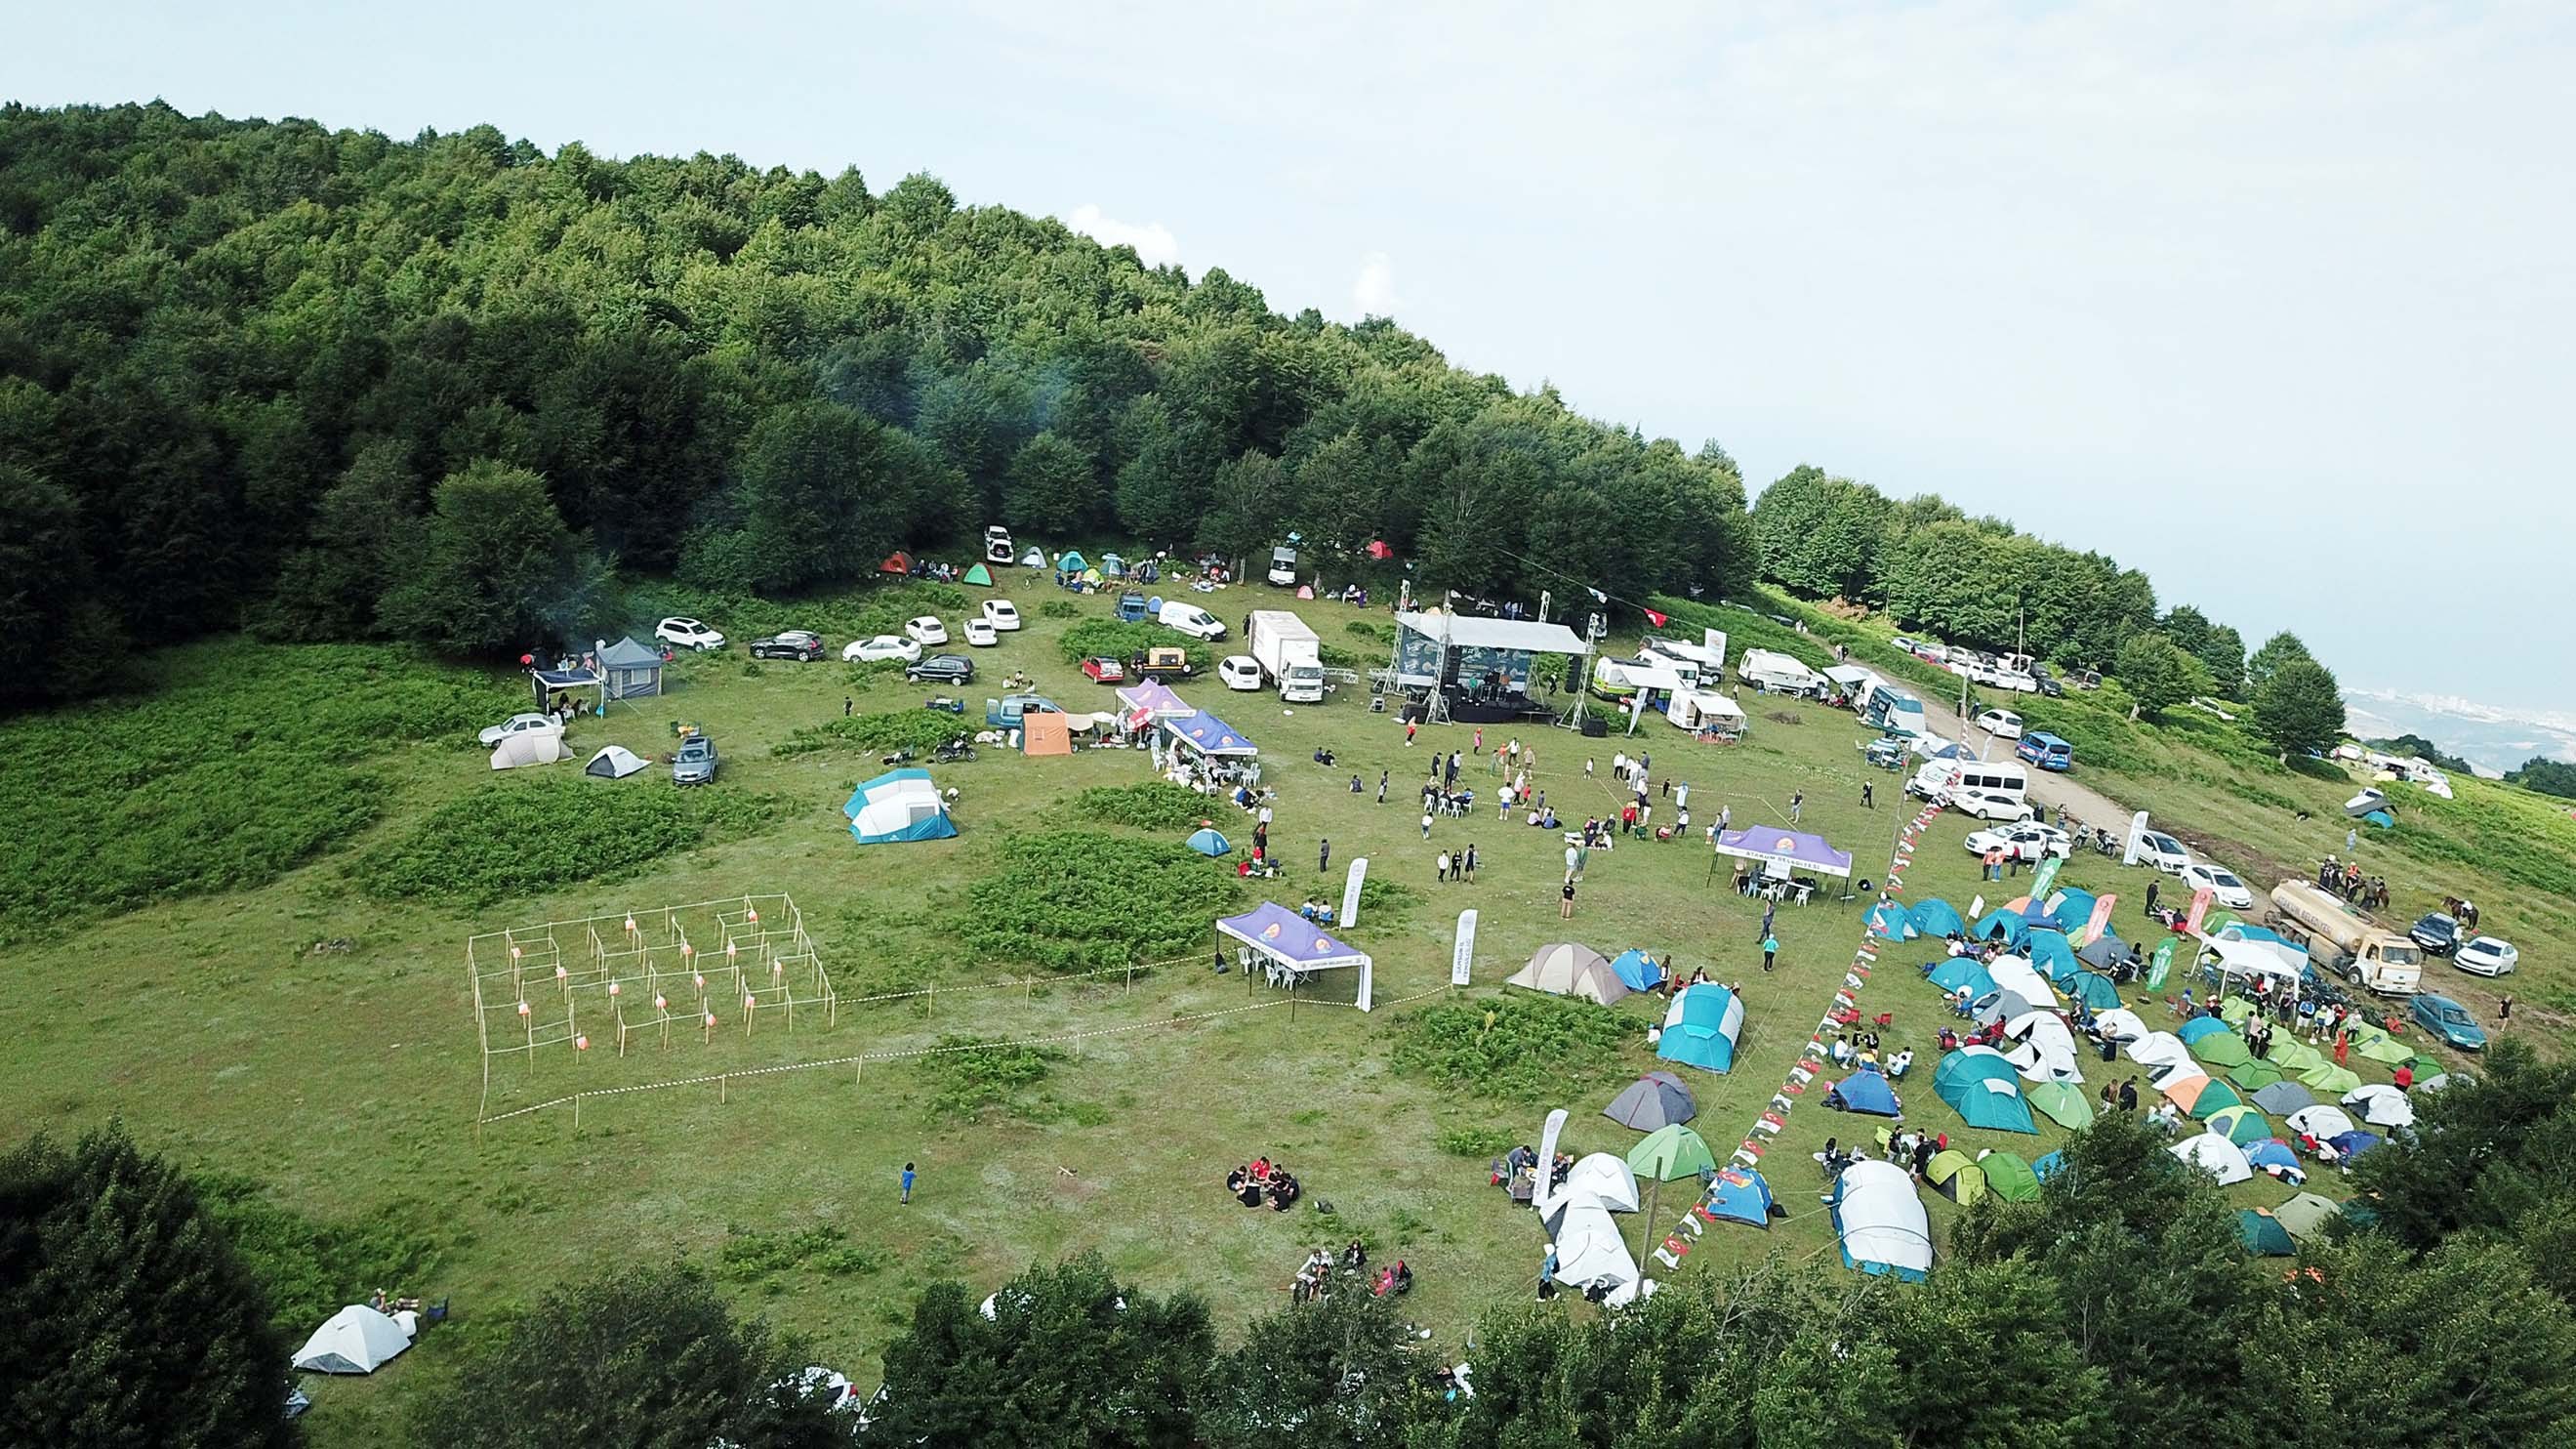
x: 1154, y: 700
x: 1783, y: 849
x: 1205, y: 734
x: 1296, y: 944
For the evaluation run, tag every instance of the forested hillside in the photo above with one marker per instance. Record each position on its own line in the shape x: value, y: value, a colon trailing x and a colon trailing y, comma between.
x: 331, y: 385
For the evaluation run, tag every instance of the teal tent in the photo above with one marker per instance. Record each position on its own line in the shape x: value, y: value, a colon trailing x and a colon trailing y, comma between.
x: 2093, y: 989
x: 2051, y: 956
x: 2002, y: 924
x: 1984, y: 1089
x: 1960, y: 971
x: 1206, y: 841
x: 1889, y: 921
x: 2263, y: 1235
x: 1636, y: 970
x: 1936, y: 917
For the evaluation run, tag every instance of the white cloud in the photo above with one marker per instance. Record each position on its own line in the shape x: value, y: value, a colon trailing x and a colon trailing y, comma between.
x: 1373, y: 295
x: 1154, y: 243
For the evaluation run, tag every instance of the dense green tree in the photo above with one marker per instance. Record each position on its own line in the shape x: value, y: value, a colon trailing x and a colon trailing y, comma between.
x: 57, y: 639
x: 364, y: 530
x: 2278, y: 650
x: 497, y: 571
x: 1342, y: 1369
x: 2223, y: 655
x: 2545, y: 775
x: 1070, y: 1356
x: 2157, y: 673
x: 1050, y: 487
x: 2299, y: 709
x: 1248, y: 508
x: 646, y: 1356
x: 130, y: 1320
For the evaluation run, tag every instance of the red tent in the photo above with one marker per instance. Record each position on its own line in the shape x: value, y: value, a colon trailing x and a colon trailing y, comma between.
x: 899, y: 563
x: 1378, y: 549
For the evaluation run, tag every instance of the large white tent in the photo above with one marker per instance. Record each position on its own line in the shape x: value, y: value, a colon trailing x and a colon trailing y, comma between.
x: 1590, y: 1250
x: 2016, y: 975
x: 2321, y: 1122
x: 1881, y: 1221
x: 2381, y: 1105
x: 355, y: 1340
x: 2217, y: 1156
x: 530, y: 747
x: 2047, y: 1051
x: 1601, y: 1177
x: 2159, y: 1049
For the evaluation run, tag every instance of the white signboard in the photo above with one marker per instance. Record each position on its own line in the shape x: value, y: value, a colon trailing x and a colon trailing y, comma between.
x: 1462, y: 956
x: 1351, y: 893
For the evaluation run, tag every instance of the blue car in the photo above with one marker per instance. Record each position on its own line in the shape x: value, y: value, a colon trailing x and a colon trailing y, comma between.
x: 2444, y: 1018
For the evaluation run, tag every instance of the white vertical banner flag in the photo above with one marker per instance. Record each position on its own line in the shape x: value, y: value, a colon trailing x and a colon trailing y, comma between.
x: 1462, y: 955
x: 1351, y: 893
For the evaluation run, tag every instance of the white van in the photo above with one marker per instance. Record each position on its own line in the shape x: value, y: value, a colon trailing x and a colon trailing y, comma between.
x: 1938, y: 779
x: 1192, y: 620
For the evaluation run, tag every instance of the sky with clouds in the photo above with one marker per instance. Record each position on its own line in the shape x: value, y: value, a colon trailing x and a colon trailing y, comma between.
x: 2270, y: 299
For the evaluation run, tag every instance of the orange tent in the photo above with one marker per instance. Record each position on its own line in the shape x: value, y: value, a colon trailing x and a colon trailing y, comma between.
x: 899, y: 563
x: 1045, y: 734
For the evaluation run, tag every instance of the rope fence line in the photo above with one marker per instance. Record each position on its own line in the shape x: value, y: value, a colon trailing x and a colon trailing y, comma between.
x: 858, y: 1061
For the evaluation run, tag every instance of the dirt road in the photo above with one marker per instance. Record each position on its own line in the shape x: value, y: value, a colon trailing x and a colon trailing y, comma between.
x: 2082, y: 802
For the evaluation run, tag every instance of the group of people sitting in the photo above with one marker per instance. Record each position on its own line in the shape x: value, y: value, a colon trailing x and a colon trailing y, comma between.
x: 1517, y: 1170
x: 1437, y: 801
x: 1260, y: 1181
x: 1911, y: 1149
x: 1320, y: 912
x: 1315, y: 1275
x: 1861, y: 1049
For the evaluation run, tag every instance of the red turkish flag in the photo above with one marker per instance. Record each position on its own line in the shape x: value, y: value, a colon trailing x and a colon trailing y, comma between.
x: 1658, y: 620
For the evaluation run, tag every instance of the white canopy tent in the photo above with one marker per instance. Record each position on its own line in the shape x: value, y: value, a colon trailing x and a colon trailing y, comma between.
x: 355, y: 1340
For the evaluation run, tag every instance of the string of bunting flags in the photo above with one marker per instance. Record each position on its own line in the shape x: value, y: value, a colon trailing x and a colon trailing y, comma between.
x: 1774, y: 1116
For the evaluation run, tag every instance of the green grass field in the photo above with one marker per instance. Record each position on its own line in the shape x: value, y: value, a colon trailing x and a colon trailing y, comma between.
x: 266, y: 805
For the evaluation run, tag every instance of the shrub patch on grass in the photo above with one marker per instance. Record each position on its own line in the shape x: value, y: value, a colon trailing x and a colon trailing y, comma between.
x: 901, y: 729
x: 968, y: 1081
x: 1519, y: 1047
x: 1153, y: 805
x: 523, y: 837
x: 1072, y: 900
x: 237, y: 771
x: 312, y: 1268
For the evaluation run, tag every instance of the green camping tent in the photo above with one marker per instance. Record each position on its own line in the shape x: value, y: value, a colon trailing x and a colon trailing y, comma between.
x: 2389, y: 1051
x: 2327, y: 1079
x: 2222, y: 1049
x: 2308, y: 1215
x: 2234, y: 1010
x: 1670, y: 1152
x: 2243, y: 1126
x: 2294, y: 1057
x: 1956, y: 1176
x: 980, y: 575
x: 2063, y: 1103
x: 2009, y: 1176
x: 2214, y: 1098
x: 2253, y: 1076
x: 2263, y: 1235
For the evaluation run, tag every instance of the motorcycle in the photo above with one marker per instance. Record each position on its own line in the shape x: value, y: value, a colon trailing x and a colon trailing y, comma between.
x: 899, y: 757
x: 957, y: 749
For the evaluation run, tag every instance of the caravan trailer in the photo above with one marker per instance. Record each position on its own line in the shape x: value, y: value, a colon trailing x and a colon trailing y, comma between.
x: 1776, y: 673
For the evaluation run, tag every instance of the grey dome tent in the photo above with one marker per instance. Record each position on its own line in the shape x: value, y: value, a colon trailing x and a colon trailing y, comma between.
x: 1657, y: 1099
x: 614, y: 763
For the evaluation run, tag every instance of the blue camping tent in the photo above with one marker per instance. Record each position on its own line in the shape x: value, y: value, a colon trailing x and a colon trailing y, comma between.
x: 1864, y: 1091
x: 2382, y: 819
x: 1890, y: 921
x: 1636, y: 970
x: 2353, y: 1144
x: 2071, y: 908
x: 1960, y: 971
x: 2003, y: 924
x: 1701, y: 1026
x: 2093, y: 989
x: 2272, y: 1152
x: 896, y: 806
x: 1071, y: 562
x: 1936, y: 917
x: 1207, y: 842
x: 1737, y: 1195
x: 2202, y: 1026
x: 2049, y: 1166
x: 2051, y: 956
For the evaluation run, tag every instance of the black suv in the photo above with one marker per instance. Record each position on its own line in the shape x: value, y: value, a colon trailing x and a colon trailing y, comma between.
x: 2438, y: 934
x: 799, y: 644
x: 943, y: 668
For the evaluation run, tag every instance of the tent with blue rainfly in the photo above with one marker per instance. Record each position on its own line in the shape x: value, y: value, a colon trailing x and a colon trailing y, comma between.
x: 1879, y: 1221
x: 1984, y: 1089
x: 1960, y: 971
x: 1890, y: 921
x: 1864, y: 1091
x: 1071, y: 561
x: 2354, y: 1143
x: 2002, y: 924
x: 2049, y: 1166
x: 1206, y: 841
x: 2200, y: 1026
x: 2051, y: 956
x: 1203, y: 733
x: 2071, y: 908
x: 1701, y: 1027
x: 2274, y: 1156
x: 1739, y: 1195
x: 2093, y: 989
x: 1936, y: 917
x: 1636, y: 970
x: 899, y: 805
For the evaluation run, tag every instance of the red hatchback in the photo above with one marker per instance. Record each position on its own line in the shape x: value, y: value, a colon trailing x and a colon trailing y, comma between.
x: 1104, y: 670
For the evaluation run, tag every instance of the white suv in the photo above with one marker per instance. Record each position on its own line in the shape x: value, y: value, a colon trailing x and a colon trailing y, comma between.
x: 2030, y: 841
x: 688, y: 634
x: 2163, y: 852
x: 1988, y: 804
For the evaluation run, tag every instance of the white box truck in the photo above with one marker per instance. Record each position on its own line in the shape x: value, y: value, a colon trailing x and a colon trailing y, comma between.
x: 1288, y: 653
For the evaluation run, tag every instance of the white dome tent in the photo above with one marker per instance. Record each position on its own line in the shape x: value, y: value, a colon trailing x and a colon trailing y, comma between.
x: 355, y: 1340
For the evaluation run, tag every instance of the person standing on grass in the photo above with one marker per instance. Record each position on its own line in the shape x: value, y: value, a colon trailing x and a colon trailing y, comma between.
x: 1864, y: 796
x: 1471, y: 871
x: 1324, y: 856
x: 1480, y: 739
x: 2504, y: 1012
x: 1381, y: 787
x: 1412, y: 727
x: 1440, y: 867
x: 1426, y: 823
x: 1797, y: 803
x: 1565, y: 904
x: 906, y: 1200
x: 847, y: 704
x: 2151, y: 897
x: 1770, y: 949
